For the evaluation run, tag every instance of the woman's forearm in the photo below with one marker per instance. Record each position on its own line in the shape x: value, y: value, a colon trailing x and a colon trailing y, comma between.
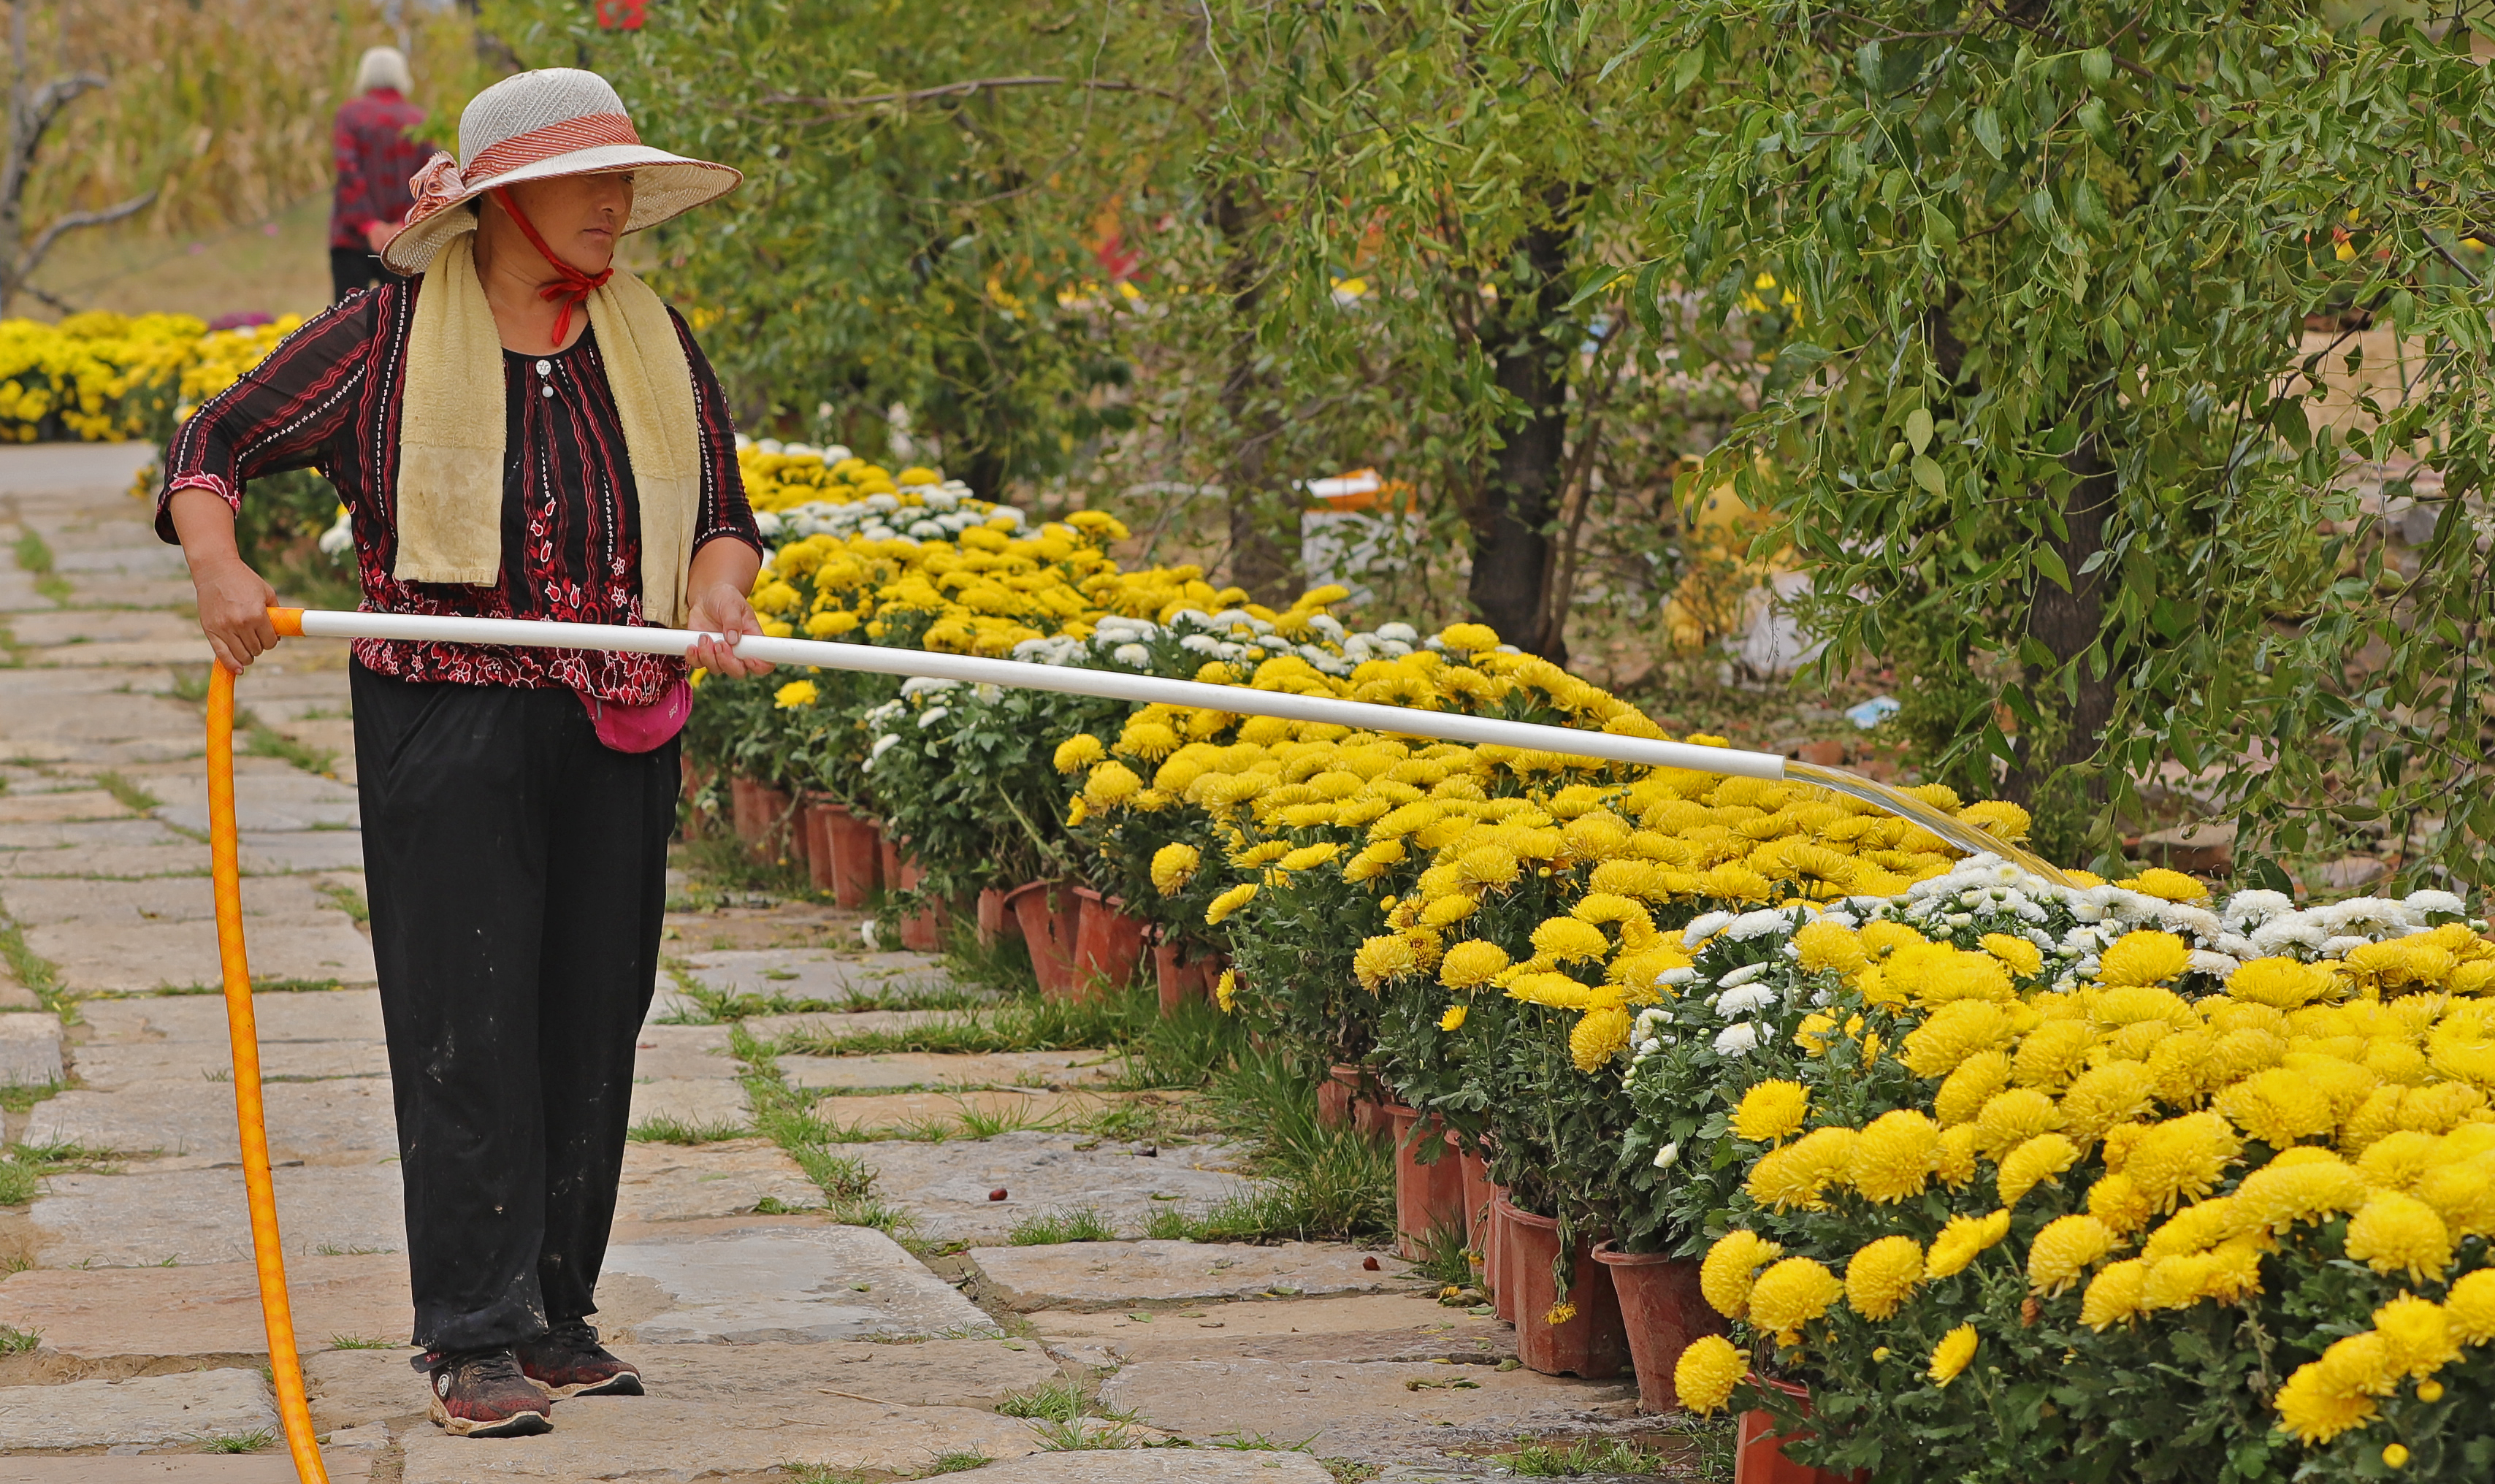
x: 725, y: 560
x: 234, y: 602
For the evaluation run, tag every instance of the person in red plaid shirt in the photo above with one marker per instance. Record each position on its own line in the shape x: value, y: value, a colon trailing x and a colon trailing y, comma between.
x: 375, y: 159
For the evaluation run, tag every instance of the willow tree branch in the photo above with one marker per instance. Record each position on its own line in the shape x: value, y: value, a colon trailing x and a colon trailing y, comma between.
x: 76, y: 220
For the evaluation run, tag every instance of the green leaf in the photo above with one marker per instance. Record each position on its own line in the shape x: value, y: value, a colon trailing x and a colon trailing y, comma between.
x: 2096, y: 65
x: 1986, y: 127
x: 2050, y: 561
x: 1919, y: 428
x: 1929, y: 475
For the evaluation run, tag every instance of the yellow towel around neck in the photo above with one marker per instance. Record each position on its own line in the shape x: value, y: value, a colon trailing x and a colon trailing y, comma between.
x: 452, y: 422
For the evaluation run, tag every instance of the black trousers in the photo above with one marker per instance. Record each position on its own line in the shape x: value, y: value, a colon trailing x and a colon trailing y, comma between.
x: 352, y: 268
x: 516, y: 869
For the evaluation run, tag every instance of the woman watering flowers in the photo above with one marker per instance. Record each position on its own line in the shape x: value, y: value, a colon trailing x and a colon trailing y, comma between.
x: 521, y: 430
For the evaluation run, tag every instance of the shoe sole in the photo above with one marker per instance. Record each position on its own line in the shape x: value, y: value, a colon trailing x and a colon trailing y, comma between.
x: 624, y: 1383
x: 517, y: 1425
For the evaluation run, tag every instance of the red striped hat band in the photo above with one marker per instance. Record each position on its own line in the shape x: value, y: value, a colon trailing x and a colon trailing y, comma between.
x: 587, y: 131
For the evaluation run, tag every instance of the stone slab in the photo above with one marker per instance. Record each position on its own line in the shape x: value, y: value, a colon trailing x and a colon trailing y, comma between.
x: 116, y: 907
x: 83, y: 716
x: 190, y: 1408
x: 814, y: 973
x: 30, y: 1048
x: 1056, y: 1069
x: 208, y: 1310
x: 270, y: 798
x: 1356, y: 1327
x: 345, y: 1121
x: 1159, y: 1465
x: 800, y: 1284
x: 281, y: 1019
x: 771, y: 1030
x: 197, y: 1216
x: 88, y: 470
x: 702, y: 1102
x: 129, y: 830
x: 138, y: 959
x: 66, y: 805
x: 949, y: 1112
x: 269, y: 851
x: 1338, y: 1408
x: 80, y: 627
x: 684, y: 1051
x: 945, y: 1186
x: 1103, y: 1275
x: 345, y: 1466
x: 110, y: 1066
x: 671, y: 1182
x: 656, y: 1439
x: 129, y: 862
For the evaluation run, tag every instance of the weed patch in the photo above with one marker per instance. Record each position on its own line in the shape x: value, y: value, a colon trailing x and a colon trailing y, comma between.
x: 133, y: 797
x: 1048, y: 1228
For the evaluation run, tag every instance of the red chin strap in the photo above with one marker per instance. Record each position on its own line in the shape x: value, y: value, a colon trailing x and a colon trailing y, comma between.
x: 571, y: 286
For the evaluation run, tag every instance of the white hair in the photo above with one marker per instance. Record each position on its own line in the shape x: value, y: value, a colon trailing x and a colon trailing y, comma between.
x: 384, y: 67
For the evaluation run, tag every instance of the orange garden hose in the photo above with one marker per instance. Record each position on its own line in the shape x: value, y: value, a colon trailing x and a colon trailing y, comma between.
x: 285, y: 1363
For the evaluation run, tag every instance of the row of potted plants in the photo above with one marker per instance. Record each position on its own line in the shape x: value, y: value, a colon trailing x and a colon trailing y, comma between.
x: 1559, y: 982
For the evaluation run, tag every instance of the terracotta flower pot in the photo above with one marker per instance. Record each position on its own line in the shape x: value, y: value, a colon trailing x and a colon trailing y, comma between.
x: 744, y: 808
x: 1663, y: 1310
x: 1350, y: 1098
x: 1208, y: 970
x: 1495, y: 1246
x: 1759, y: 1458
x: 922, y: 930
x: 764, y: 817
x: 1591, y: 1346
x: 1108, y: 945
x: 1477, y: 1194
x: 997, y: 921
x: 1178, y: 980
x: 1047, y: 914
x: 1429, y: 1198
x: 853, y: 855
x: 814, y: 836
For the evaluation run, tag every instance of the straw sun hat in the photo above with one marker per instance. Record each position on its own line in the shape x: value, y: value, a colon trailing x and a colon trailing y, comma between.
x: 536, y: 126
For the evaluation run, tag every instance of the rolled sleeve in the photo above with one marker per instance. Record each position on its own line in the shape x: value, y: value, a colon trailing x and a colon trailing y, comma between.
x: 278, y: 416
x: 726, y: 514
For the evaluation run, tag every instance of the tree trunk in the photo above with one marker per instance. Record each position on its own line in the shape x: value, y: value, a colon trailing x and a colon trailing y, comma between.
x: 2067, y: 624
x: 1261, y: 558
x: 1511, y: 515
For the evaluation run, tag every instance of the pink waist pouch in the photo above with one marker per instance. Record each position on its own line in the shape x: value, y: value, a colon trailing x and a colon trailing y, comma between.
x: 627, y: 728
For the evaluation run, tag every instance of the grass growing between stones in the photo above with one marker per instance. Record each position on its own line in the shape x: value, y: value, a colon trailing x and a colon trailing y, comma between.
x: 242, y: 1442
x: 19, y: 1342
x: 36, y: 973
x: 349, y: 901
x: 21, y: 1097
x: 668, y: 1129
x: 361, y: 1342
x: 1048, y: 1228
x: 720, y: 871
x: 1318, y: 1183
x: 1695, y: 1451
x: 780, y: 1115
x: 132, y: 797
x: 24, y: 1168
x: 35, y: 555
x: 719, y: 1005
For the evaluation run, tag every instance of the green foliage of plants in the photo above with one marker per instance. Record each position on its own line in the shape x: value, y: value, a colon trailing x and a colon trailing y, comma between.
x: 19, y: 1342
x: 1538, y: 1460
x: 2042, y: 282
x: 667, y: 1129
x: 1049, y: 1401
x: 243, y: 1442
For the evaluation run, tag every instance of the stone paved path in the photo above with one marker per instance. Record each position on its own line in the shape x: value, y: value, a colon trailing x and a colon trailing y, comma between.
x: 778, y: 1343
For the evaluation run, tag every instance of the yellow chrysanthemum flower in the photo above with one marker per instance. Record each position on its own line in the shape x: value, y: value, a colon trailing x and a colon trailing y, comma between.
x: 2395, y: 1233
x: 1963, y: 1240
x: 1079, y: 752
x: 1895, y: 1157
x: 2170, y: 885
x: 1702, y: 1378
x: 1827, y: 946
x: 1883, y: 1276
x: 2064, y: 1249
x: 1567, y: 940
x: 1800, y: 1172
x: 1381, y: 958
x: 2180, y: 1158
x: 795, y: 694
x: 2113, y: 1295
x: 2144, y: 957
x: 2284, y: 983
x: 1731, y: 1264
x: 1229, y: 902
x: 1964, y: 1092
x: 1789, y: 1294
x: 2314, y: 1410
x: 2417, y: 1335
x: 2033, y: 1163
x: 1453, y: 1019
x: 1470, y: 964
x: 2277, y: 1108
x: 1111, y: 784
x: 1772, y: 1112
x: 1598, y: 1036
x: 1226, y: 991
x: 2469, y: 1307
x: 2016, y: 954
x: 1952, y: 1355
x: 1174, y: 866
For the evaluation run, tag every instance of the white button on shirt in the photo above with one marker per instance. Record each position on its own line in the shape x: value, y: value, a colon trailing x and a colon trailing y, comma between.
x: 545, y: 368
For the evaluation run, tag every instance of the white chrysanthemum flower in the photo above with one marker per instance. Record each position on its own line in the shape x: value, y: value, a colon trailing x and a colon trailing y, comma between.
x: 1740, y: 977
x: 2423, y: 904
x: 1135, y: 655
x: 2236, y: 946
x: 1746, y: 1000
x: 2343, y: 945
x: 2249, y: 910
x: 2195, y: 921
x: 882, y: 744
x: 2364, y: 916
x: 2288, y: 932
x: 1401, y: 633
x: 1757, y: 924
x: 1703, y: 927
x: 2202, y: 961
x: 932, y: 715
x: 1675, y: 976
x: 1200, y: 645
x: 922, y: 685
x: 1665, y: 1156
x: 1738, y: 1039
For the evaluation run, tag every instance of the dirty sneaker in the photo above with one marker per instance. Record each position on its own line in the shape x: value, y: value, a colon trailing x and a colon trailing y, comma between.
x: 482, y: 1393
x: 568, y: 1361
